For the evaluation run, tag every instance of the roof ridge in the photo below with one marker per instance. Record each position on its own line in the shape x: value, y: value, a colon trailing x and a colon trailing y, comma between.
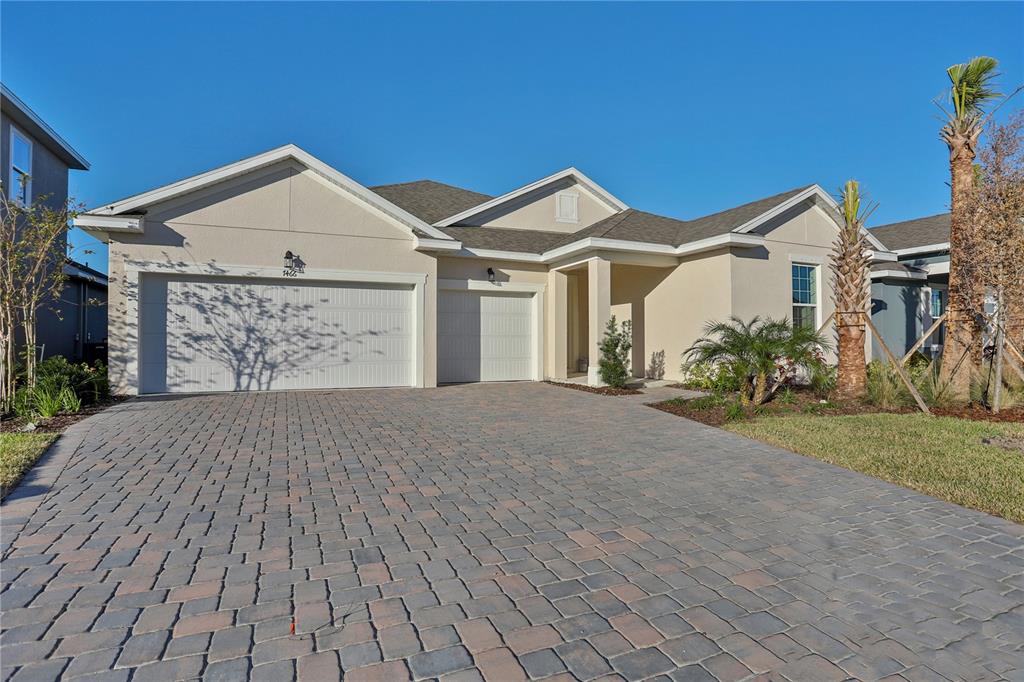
x: 612, y: 224
x: 794, y: 190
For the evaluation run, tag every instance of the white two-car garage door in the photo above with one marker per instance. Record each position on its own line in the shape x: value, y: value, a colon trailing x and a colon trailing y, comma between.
x: 484, y: 336
x: 234, y: 334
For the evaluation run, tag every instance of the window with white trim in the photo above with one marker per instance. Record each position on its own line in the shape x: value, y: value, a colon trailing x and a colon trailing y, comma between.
x: 567, y: 207
x: 805, y: 295
x: 21, y: 167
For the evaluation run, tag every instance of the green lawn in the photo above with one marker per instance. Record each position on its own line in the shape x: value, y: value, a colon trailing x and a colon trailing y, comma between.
x: 18, y: 452
x: 939, y: 456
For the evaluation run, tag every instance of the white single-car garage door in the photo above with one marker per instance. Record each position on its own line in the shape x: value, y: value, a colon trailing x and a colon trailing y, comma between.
x: 484, y: 336
x: 235, y: 334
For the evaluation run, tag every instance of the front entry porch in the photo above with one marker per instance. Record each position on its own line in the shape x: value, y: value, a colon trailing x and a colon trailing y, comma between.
x: 585, y: 295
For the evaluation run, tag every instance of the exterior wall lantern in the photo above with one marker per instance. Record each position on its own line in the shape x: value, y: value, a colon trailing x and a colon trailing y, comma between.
x: 490, y: 275
x: 293, y: 264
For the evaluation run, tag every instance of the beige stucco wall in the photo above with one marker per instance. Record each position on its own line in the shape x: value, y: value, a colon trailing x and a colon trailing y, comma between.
x: 762, y: 279
x: 252, y: 221
x: 536, y: 211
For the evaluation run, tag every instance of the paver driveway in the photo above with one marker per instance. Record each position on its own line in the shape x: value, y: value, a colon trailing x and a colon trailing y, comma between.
x: 495, y: 530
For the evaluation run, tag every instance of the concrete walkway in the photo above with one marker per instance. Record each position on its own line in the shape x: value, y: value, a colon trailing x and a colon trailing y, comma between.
x: 494, y: 531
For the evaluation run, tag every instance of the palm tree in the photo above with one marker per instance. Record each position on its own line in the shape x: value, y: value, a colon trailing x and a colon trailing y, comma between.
x: 755, y: 351
x: 971, y: 87
x: 851, y: 294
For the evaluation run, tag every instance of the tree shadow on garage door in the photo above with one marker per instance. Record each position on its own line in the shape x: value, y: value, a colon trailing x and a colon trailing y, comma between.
x: 245, y: 331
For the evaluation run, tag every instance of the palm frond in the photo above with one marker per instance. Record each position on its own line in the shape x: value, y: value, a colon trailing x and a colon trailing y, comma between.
x: 972, y: 84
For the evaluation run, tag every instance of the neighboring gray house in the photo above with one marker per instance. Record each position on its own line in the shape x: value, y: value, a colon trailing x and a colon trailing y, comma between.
x: 36, y: 161
x: 908, y: 295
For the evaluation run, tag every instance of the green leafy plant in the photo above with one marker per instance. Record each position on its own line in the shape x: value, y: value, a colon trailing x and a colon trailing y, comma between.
x: 613, y: 367
x: 735, y: 411
x: 69, y: 400
x: 707, y: 402
x: 762, y: 353
x: 707, y: 376
x: 885, y: 389
x: 787, y: 396
x: 823, y: 379
x: 47, y: 400
x: 89, y: 382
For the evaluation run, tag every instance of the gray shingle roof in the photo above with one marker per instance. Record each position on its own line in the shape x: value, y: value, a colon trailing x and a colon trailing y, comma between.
x: 433, y: 201
x: 430, y: 201
x: 913, y: 233
x: 505, y: 239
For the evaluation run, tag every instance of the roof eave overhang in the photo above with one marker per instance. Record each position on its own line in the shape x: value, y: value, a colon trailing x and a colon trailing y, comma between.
x: 919, y: 250
x: 139, y: 201
x: 898, y: 274
x: 598, y: 244
x: 101, y: 226
x: 41, y: 130
x: 809, y: 193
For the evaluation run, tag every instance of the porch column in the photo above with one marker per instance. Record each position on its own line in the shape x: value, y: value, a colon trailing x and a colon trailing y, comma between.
x: 557, y: 324
x: 599, y: 311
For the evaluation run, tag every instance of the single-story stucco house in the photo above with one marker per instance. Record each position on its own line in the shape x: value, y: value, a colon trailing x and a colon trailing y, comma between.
x: 279, y: 272
x: 909, y: 295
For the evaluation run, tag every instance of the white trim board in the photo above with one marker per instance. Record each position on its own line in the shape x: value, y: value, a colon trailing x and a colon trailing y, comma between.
x: 898, y: 274
x: 602, y: 194
x: 729, y: 239
x: 252, y: 163
x: 927, y: 248
x: 134, y: 270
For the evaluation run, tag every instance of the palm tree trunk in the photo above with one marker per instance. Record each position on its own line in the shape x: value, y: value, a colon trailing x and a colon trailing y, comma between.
x: 851, y: 376
x: 760, y: 388
x: 961, y: 328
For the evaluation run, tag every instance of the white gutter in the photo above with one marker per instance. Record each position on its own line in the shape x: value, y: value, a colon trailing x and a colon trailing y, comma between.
x: 897, y: 274
x: 111, y: 223
x: 928, y: 248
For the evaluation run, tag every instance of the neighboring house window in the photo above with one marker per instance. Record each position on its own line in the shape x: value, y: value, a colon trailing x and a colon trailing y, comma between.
x: 21, y: 167
x: 936, y: 303
x: 805, y: 296
x: 567, y: 207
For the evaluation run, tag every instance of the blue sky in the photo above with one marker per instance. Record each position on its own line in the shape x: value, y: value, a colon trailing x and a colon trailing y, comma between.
x: 680, y: 109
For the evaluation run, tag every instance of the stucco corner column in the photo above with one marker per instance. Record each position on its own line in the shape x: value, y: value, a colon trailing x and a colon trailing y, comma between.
x: 599, y: 311
x: 557, y: 324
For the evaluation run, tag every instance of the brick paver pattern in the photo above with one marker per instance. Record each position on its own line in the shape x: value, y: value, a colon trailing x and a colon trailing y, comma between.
x: 502, y: 532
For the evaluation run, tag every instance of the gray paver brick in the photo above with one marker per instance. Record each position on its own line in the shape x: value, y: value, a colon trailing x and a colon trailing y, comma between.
x: 382, y: 519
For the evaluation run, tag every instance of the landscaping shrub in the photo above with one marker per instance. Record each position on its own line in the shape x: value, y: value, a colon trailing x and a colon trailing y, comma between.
x: 61, y: 386
x: 885, y: 389
x: 615, y: 348
x: 708, y: 402
x: 823, y: 379
x: 89, y: 382
x: 734, y: 411
x: 764, y: 354
x: 707, y: 376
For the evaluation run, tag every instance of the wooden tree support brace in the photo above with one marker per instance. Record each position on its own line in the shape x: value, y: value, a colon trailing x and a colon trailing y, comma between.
x: 920, y: 342
x: 898, y: 366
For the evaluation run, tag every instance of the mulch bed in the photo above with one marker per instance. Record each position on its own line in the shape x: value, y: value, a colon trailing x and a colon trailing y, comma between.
x: 601, y: 390
x: 806, y: 402
x: 59, y: 423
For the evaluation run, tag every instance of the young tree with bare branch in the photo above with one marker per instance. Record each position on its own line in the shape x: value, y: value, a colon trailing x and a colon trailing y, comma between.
x: 851, y: 293
x: 33, y: 249
x: 994, y: 258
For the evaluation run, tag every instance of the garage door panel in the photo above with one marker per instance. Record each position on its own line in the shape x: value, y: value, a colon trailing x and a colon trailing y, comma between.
x: 485, y: 336
x: 220, y: 334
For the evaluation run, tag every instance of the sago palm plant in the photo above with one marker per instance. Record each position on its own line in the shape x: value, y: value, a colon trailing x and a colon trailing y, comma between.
x: 756, y: 350
x: 851, y: 293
